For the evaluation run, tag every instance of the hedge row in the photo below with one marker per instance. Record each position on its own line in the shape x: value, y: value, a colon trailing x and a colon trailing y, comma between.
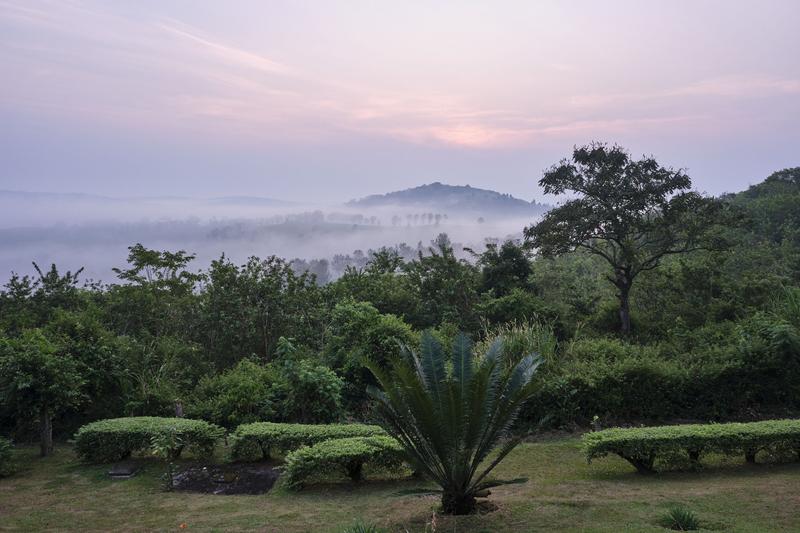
x: 642, y: 447
x: 5, y: 456
x: 342, y: 456
x: 266, y: 437
x: 117, y: 438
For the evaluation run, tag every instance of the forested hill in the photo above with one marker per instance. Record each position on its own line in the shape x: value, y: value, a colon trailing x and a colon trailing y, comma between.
x: 454, y: 199
x: 774, y: 206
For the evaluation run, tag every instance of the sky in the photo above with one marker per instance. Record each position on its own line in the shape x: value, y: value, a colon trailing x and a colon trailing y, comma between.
x: 327, y: 101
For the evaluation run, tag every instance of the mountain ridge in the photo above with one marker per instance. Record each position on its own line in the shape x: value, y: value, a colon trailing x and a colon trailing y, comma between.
x: 453, y: 198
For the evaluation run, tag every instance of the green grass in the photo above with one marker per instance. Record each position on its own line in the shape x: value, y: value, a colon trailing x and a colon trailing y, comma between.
x: 563, y: 493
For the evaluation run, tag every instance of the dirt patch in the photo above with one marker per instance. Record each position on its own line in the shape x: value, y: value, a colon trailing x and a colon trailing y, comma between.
x: 227, y: 479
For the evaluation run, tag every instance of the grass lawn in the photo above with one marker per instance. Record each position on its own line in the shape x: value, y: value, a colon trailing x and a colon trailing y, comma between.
x: 562, y: 494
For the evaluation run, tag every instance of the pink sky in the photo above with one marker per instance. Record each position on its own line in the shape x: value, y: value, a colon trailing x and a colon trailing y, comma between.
x: 310, y: 100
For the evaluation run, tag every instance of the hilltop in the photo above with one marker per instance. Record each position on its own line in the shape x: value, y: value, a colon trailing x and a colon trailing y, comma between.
x: 454, y: 199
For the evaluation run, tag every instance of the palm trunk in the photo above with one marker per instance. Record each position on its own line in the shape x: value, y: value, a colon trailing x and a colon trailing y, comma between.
x: 46, y: 432
x: 457, y: 503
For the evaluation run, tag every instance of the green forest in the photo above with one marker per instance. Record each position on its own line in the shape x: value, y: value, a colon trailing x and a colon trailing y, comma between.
x: 696, y: 317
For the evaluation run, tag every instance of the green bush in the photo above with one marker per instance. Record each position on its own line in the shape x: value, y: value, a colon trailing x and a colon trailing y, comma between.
x: 5, y: 456
x: 756, y: 370
x: 265, y: 437
x: 361, y: 527
x: 342, y: 456
x: 306, y: 392
x: 240, y: 395
x: 643, y: 447
x: 357, y: 330
x: 117, y: 438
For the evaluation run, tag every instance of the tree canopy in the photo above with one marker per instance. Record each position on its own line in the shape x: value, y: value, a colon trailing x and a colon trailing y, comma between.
x: 631, y: 213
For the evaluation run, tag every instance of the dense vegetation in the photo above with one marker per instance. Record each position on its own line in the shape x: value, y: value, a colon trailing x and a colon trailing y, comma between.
x: 714, y: 334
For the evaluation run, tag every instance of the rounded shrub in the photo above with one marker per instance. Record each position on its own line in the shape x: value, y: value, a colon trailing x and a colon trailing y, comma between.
x: 266, y: 437
x: 643, y: 447
x: 342, y: 456
x: 117, y: 438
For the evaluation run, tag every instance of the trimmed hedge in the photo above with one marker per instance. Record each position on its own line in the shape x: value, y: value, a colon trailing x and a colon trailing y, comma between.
x: 249, y: 439
x: 114, y: 439
x: 5, y: 456
x: 342, y: 456
x: 642, y: 447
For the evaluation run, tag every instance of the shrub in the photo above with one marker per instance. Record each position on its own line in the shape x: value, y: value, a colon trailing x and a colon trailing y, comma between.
x: 680, y: 519
x: 306, y: 392
x: 289, y: 390
x: 522, y: 338
x: 239, y: 395
x: 356, y: 331
x: 622, y: 382
x: 266, y: 437
x: 342, y: 456
x: 117, y: 438
x: 642, y: 447
x: 5, y: 456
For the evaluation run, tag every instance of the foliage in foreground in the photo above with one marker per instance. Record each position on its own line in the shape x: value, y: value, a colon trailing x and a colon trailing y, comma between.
x: 642, y: 447
x: 267, y: 437
x: 361, y: 527
x: 450, y: 421
x: 117, y: 438
x: 680, y: 519
x: 342, y: 456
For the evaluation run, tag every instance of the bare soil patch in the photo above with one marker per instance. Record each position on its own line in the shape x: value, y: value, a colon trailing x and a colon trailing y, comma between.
x: 251, y: 478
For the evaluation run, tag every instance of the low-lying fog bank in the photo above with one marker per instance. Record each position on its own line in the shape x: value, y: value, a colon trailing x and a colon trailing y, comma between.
x: 75, y: 231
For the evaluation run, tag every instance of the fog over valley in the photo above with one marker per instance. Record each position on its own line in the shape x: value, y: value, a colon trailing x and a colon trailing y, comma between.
x: 94, y: 232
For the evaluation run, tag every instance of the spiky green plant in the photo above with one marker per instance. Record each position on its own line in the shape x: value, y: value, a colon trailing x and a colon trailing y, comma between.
x: 680, y: 519
x: 450, y: 420
x: 361, y: 527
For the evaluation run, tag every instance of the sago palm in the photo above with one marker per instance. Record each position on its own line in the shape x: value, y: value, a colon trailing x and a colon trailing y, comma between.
x: 450, y: 417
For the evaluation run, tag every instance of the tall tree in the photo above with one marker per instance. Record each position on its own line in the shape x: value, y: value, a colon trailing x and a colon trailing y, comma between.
x: 630, y: 213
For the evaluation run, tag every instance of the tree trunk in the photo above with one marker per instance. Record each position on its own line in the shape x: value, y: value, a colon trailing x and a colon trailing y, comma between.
x: 642, y: 463
x: 457, y: 503
x: 354, y: 470
x: 750, y: 455
x: 46, y: 432
x: 624, y: 286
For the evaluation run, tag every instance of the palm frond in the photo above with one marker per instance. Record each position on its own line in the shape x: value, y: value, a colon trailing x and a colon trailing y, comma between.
x: 450, y: 422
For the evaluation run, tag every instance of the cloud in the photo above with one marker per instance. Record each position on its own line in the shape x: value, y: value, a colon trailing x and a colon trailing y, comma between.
x: 230, y: 53
x: 153, y: 71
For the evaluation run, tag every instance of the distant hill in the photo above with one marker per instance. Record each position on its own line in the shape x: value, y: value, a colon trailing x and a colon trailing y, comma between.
x: 454, y: 199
